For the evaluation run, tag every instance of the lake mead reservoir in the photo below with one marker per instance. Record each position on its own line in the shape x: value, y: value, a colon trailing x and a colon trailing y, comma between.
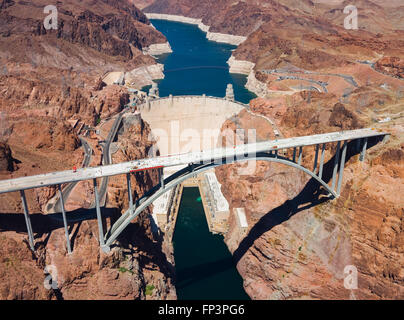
x: 197, y: 66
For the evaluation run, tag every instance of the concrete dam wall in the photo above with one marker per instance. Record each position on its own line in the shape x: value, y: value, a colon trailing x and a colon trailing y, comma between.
x: 183, y: 124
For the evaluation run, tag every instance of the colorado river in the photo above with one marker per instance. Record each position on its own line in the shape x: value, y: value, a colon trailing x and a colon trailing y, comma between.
x: 204, y: 266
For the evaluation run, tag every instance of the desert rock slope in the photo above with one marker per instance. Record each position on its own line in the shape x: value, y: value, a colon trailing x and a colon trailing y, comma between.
x: 51, y: 93
x: 313, y: 76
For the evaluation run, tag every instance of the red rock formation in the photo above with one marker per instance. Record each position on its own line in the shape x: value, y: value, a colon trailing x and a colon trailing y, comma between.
x: 6, y: 158
x: 298, y: 244
x: 48, y: 77
x: 139, y: 260
x: 391, y: 65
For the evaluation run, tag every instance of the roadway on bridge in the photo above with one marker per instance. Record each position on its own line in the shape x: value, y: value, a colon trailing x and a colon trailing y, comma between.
x: 239, y: 151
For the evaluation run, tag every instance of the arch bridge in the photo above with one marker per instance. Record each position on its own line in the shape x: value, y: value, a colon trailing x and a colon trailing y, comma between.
x: 197, y: 162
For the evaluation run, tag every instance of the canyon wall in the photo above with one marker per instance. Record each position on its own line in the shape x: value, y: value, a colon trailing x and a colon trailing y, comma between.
x: 137, y: 262
x: 51, y: 87
x: 299, y: 242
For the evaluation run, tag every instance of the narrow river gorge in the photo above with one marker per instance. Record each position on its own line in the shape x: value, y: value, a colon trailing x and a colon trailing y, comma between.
x: 204, y: 265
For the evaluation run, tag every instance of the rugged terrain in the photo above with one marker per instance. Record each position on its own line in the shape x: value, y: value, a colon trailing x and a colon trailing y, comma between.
x: 286, y: 38
x: 299, y: 242
x: 312, y: 76
x: 51, y: 92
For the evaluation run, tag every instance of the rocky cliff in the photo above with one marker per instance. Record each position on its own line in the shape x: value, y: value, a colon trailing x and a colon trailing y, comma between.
x: 138, y: 262
x: 391, y: 65
x: 298, y: 242
x: 51, y: 87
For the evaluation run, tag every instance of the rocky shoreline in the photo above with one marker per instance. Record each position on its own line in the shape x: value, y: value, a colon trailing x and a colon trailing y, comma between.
x: 138, y: 77
x: 157, y: 49
x: 247, y: 68
x: 213, y: 36
x: 236, y: 66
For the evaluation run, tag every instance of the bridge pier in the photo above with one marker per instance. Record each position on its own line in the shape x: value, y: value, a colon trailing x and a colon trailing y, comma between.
x: 294, y: 154
x: 363, y: 152
x: 316, y: 159
x: 336, y: 160
x: 320, y: 171
x: 162, y: 178
x: 299, y: 162
x: 341, y: 168
x: 358, y: 145
x: 130, y: 197
x: 99, y: 218
x: 27, y: 221
x: 62, y: 204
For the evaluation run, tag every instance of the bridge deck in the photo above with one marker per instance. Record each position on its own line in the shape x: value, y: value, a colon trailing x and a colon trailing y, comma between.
x: 88, y: 173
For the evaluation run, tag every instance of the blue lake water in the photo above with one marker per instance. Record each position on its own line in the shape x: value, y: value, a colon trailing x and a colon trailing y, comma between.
x: 197, y: 65
x: 204, y: 265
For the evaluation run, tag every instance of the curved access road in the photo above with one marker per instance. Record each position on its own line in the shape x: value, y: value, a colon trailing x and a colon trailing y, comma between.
x: 106, y: 156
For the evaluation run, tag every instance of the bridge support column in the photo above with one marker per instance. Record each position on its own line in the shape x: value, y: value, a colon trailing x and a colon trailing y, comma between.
x: 299, y: 162
x: 27, y: 221
x: 162, y: 178
x: 358, y: 145
x: 336, y: 160
x: 148, y: 106
x: 294, y: 154
x: 363, y: 152
x: 320, y: 171
x: 99, y: 218
x: 62, y: 203
x: 130, y: 197
x: 341, y: 167
x: 316, y: 159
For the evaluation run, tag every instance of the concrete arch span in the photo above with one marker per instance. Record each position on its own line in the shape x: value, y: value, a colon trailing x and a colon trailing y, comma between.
x: 186, y: 173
